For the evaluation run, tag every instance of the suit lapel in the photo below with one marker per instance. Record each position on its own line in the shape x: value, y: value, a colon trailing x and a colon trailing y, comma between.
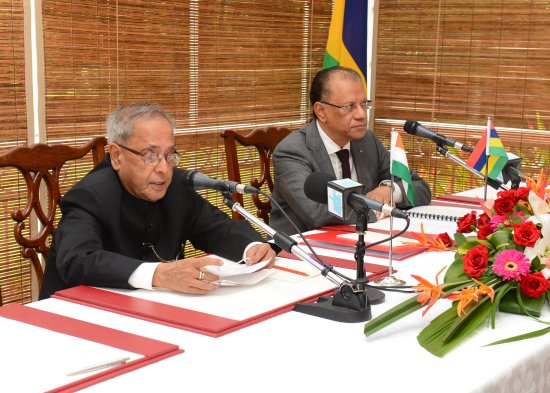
x: 359, y: 154
x: 317, y: 148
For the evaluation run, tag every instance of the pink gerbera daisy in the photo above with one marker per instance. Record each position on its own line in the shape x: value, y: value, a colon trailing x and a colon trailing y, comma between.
x: 511, y: 265
x: 497, y: 219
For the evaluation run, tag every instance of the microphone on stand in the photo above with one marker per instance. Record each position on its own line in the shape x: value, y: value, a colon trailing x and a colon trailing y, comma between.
x: 343, y: 196
x: 511, y: 172
x: 199, y: 181
x: 415, y: 128
x: 347, y: 304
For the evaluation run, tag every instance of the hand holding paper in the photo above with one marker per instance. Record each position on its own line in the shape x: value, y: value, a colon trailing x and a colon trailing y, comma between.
x: 232, y: 273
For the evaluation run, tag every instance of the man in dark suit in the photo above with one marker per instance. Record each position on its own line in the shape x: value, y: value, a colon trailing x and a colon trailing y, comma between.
x: 133, y: 212
x: 340, y: 107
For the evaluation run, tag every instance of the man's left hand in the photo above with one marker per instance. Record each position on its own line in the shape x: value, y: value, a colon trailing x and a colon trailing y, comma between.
x: 380, y: 194
x: 260, y: 252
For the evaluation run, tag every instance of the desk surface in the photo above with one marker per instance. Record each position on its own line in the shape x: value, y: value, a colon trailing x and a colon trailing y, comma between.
x: 297, y: 351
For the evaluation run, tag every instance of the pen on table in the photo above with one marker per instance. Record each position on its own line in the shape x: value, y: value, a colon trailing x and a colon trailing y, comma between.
x: 100, y: 366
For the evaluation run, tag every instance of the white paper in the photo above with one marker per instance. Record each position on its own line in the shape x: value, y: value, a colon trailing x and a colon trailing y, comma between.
x: 232, y: 273
x: 49, y: 355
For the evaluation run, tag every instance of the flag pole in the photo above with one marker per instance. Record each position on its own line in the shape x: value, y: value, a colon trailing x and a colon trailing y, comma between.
x: 390, y: 280
x: 487, y: 154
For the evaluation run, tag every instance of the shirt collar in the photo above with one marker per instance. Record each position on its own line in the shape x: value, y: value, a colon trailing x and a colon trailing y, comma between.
x: 330, y: 145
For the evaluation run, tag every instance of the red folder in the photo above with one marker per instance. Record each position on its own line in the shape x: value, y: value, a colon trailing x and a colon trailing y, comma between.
x: 467, y: 205
x: 460, y: 198
x: 152, y: 350
x: 376, y: 271
x: 330, y: 239
x: 166, y: 314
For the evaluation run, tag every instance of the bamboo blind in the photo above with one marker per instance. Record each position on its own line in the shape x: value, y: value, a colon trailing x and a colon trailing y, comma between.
x: 14, y: 273
x: 212, y: 64
x: 450, y: 64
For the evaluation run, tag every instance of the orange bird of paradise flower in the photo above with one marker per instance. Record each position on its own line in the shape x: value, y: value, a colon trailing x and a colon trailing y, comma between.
x: 431, y: 242
x: 429, y: 291
x: 538, y: 186
x: 469, y: 295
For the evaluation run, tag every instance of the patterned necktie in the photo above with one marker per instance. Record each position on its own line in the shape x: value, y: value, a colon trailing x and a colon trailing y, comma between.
x: 343, y: 156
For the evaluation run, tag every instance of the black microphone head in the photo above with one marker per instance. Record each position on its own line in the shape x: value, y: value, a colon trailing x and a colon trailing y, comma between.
x: 196, y: 180
x: 315, y: 186
x: 410, y: 127
x: 187, y: 177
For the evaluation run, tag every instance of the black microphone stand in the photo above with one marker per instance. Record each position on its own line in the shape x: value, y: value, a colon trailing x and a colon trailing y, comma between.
x: 349, y: 302
x: 374, y: 296
x: 496, y: 184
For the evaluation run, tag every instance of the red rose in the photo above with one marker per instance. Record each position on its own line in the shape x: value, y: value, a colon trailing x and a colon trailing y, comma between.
x: 526, y: 234
x: 522, y: 193
x: 504, y: 206
x: 475, y: 261
x: 465, y: 223
x: 445, y: 239
x: 484, y: 231
x: 483, y: 220
x: 534, y: 285
x: 508, y: 194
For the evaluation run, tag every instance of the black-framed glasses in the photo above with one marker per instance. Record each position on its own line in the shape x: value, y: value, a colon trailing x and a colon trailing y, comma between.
x: 348, y: 108
x: 152, y: 158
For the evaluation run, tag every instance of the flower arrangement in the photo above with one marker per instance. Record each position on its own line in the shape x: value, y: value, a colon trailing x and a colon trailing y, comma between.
x: 502, y: 263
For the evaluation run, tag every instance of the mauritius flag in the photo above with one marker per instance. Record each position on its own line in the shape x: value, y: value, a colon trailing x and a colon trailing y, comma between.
x: 490, y: 146
x: 347, y: 37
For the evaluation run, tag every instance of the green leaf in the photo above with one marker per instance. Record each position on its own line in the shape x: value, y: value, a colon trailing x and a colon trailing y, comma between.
x: 510, y: 304
x: 471, y: 243
x: 536, y: 333
x: 460, y: 239
x: 448, y: 330
x: 392, y: 315
x: 501, y: 239
x: 455, y: 272
x: 476, y: 312
x: 499, y: 295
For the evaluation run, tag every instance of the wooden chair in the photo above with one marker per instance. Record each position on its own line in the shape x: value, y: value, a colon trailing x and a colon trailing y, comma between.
x: 40, y: 166
x: 264, y: 140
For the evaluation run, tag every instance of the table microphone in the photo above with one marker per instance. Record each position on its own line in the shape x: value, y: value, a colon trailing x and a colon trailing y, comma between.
x: 415, y: 128
x: 341, y: 196
x: 200, y: 181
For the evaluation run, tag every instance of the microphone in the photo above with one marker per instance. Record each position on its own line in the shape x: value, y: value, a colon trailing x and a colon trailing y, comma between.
x: 200, y: 181
x: 339, y: 194
x: 415, y: 128
x: 511, y: 171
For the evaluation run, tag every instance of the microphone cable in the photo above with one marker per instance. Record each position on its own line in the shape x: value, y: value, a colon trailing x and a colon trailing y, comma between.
x: 330, y: 268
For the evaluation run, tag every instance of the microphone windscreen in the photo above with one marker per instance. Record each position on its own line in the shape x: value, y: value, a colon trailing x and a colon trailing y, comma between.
x: 410, y: 127
x: 315, y: 186
x: 187, y: 177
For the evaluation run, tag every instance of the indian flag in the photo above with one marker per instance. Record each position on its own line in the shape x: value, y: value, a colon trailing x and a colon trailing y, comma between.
x: 399, y: 166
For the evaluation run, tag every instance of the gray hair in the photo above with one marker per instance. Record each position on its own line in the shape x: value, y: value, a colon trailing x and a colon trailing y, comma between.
x: 120, y: 123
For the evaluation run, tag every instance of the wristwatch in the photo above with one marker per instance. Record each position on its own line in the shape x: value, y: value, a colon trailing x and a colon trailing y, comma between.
x: 386, y: 183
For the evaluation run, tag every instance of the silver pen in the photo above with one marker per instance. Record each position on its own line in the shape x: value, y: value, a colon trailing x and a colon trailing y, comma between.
x: 100, y: 366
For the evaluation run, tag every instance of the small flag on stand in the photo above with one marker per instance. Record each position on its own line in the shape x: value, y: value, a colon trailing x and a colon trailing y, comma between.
x: 489, y: 146
x: 347, y: 37
x: 399, y: 166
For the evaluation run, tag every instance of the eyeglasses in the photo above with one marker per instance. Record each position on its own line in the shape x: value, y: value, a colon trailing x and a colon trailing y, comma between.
x: 365, y: 105
x: 151, y: 158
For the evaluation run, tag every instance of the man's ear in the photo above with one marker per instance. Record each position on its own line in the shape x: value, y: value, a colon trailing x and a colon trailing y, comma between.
x: 319, y: 110
x: 114, y: 152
